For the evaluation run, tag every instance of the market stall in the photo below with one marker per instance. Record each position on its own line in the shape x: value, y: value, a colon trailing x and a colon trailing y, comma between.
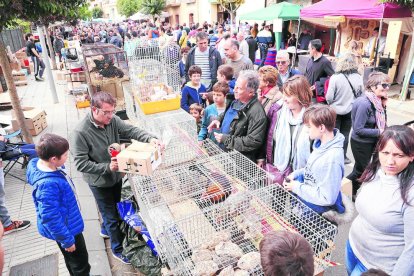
x: 356, y: 20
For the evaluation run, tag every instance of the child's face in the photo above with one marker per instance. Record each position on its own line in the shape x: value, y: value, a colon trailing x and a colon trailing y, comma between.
x: 221, y: 77
x: 315, y: 132
x: 59, y: 162
x: 218, y: 98
x: 195, y: 79
x: 196, y: 115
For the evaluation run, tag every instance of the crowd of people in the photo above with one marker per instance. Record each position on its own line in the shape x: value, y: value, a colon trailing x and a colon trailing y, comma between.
x: 282, y: 119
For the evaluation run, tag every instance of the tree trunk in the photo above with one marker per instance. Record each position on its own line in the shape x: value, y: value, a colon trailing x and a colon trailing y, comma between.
x: 51, y: 50
x: 14, y: 97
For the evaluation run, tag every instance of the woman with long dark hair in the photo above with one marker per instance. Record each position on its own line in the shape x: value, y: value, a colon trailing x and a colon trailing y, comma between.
x: 382, y: 234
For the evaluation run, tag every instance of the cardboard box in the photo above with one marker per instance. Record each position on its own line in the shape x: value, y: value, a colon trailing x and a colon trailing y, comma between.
x: 35, y: 120
x: 62, y: 75
x: 139, y: 158
x: 20, y: 55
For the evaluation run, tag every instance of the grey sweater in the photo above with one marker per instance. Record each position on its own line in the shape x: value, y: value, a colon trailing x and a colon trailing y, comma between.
x: 340, y: 95
x: 89, y: 147
x: 382, y: 234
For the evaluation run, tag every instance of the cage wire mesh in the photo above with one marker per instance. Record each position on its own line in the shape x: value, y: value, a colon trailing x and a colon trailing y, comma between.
x: 223, y: 198
x: 154, y: 69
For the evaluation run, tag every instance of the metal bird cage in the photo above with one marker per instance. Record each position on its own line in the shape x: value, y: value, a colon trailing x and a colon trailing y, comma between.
x: 106, y: 66
x: 220, y: 238
x: 212, y: 213
x: 154, y: 68
x: 179, y: 191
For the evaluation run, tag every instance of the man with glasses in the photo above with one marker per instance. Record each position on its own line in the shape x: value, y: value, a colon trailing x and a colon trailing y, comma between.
x: 207, y: 58
x: 244, y: 123
x: 89, y: 147
x: 285, y: 72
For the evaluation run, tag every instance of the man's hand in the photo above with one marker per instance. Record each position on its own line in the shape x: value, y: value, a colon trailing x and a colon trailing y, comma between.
x: 289, y: 184
x: 2, y: 139
x: 71, y: 249
x: 214, y: 124
x: 260, y: 163
x: 113, y: 166
x: 219, y: 137
x: 157, y: 143
x: 201, y: 143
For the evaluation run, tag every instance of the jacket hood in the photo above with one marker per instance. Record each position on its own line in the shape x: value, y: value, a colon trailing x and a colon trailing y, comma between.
x: 232, y: 83
x: 35, y: 175
x: 189, y: 84
x: 336, y: 142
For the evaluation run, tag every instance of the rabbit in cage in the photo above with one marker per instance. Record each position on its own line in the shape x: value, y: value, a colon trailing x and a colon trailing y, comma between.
x: 221, y: 236
x: 205, y: 268
x: 235, y: 205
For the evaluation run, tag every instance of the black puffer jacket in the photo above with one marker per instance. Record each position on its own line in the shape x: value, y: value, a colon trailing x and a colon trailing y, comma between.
x: 247, y: 130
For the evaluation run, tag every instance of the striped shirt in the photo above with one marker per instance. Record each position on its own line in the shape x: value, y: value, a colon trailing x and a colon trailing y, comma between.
x: 201, y: 59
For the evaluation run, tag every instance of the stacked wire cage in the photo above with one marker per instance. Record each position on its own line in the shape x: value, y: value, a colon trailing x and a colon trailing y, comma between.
x: 208, y: 217
x: 154, y: 71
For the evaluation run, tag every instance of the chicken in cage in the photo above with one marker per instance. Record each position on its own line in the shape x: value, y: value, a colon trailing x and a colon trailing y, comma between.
x: 224, y: 241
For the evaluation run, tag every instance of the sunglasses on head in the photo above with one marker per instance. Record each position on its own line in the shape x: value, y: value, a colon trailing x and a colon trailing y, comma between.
x: 385, y: 85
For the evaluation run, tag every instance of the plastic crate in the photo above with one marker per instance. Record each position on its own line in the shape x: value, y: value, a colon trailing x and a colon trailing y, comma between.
x: 160, y: 106
x: 412, y: 79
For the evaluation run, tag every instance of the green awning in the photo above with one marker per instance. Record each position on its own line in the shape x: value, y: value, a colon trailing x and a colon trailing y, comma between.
x: 283, y: 10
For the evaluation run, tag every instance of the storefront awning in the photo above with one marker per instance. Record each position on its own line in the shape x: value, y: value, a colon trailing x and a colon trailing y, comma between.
x: 362, y: 9
x: 283, y: 10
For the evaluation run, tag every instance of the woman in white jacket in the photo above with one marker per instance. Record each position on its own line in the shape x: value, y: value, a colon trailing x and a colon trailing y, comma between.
x: 382, y: 234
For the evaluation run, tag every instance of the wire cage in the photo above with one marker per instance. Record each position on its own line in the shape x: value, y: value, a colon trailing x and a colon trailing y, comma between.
x: 225, y: 237
x: 178, y: 191
x: 200, y: 211
x: 105, y: 65
x: 154, y: 71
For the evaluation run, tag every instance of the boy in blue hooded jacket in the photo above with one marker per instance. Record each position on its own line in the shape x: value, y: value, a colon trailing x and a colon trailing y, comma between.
x: 57, y: 207
x: 194, y: 91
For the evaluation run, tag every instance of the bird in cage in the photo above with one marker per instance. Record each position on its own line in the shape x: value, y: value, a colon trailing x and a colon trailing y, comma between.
x: 106, y: 68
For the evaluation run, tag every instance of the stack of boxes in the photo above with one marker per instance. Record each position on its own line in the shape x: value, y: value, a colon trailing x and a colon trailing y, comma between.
x: 20, y: 78
x: 35, y: 120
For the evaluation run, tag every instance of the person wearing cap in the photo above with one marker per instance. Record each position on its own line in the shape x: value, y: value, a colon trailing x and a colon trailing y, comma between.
x: 264, y: 39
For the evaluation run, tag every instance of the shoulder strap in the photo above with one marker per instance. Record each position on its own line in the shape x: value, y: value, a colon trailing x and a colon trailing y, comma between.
x: 353, y: 90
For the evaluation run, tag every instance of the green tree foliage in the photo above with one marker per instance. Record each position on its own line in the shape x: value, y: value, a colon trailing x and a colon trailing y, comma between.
x: 128, y: 7
x: 407, y: 3
x: 153, y: 7
x: 34, y: 11
x: 97, y: 12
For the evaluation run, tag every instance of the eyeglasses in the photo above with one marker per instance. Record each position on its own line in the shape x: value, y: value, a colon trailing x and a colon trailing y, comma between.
x: 385, y: 85
x: 283, y: 62
x: 106, y: 113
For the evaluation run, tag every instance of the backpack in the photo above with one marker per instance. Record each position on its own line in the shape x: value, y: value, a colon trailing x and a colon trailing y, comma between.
x: 321, y: 88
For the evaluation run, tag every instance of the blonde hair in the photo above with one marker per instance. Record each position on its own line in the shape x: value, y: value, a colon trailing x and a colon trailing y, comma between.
x: 347, y: 64
x: 269, y: 74
x: 298, y: 86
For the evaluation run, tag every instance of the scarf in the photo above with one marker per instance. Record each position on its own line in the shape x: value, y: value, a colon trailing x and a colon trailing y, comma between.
x: 379, y: 110
x: 284, y: 143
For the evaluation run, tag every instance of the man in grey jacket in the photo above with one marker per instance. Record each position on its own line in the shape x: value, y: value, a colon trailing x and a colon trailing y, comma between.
x: 89, y: 147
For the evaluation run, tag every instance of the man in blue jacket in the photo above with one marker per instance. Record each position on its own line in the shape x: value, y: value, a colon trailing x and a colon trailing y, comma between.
x: 56, y: 202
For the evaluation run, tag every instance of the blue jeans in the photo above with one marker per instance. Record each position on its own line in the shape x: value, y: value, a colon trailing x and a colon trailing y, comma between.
x: 106, y: 198
x: 354, y: 267
x: 4, y: 213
